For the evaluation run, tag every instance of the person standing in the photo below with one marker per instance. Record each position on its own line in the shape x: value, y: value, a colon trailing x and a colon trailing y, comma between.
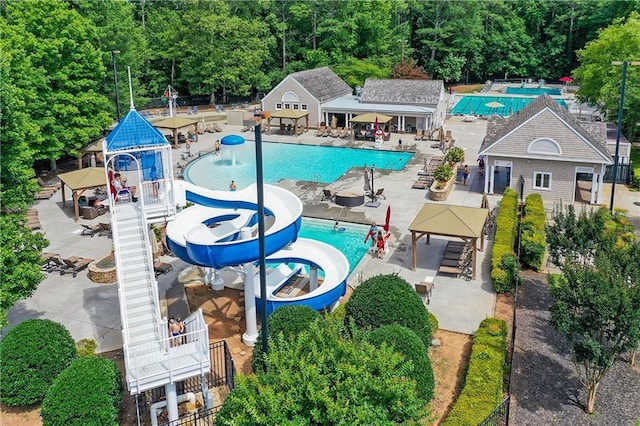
x: 232, y: 186
x: 465, y: 174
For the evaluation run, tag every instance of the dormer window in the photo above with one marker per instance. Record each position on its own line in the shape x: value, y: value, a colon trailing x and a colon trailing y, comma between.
x: 544, y: 146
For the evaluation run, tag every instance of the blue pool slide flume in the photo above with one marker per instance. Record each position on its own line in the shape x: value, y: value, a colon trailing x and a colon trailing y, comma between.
x: 190, y: 238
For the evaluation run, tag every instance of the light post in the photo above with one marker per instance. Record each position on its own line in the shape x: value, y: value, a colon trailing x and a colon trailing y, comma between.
x: 625, y: 65
x: 115, y: 81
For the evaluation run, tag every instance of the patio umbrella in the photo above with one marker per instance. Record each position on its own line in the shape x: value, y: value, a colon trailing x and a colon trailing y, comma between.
x: 387, y: 219
x: 494, y: 104
x: 367, y: 183
x: 334, y: 121
x: 566, y: 79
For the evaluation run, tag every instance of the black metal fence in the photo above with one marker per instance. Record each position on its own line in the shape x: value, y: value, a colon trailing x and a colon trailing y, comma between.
x: 499, y: 416
x: 625, y: 173
x: 222, y: 374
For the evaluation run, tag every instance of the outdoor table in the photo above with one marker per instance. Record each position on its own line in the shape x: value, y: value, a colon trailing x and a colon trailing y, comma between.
x: 349, y: 199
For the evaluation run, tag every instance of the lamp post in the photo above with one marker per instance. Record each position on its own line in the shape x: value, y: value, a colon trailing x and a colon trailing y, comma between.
x: 625, y: 65
x: 115, y: 81
x: 261, y: 230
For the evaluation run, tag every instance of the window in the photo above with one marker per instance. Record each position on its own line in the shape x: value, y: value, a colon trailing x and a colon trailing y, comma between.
x: 287, y: 106
x: 296, y: 106
x: 304, y: 107
x: 541, y: 180
x: 278, y: 106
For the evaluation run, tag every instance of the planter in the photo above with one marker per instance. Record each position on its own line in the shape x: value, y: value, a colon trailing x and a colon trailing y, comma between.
x: 103, y: 270
x: 443, y: 193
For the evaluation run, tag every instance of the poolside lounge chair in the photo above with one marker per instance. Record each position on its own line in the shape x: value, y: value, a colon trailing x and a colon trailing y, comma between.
x: 421, y: 184
x: 48, y: 264
x: 105, y: 229
x: 424, y: 290
x: 90, y: 230
x: 327, y: 194
x: 75, y: 264
x: 343, y: 133
x: 162, y: 268
x: 321, y: 130
x: 215, y: 127
x: 378, y: 193
x: 418, y: 135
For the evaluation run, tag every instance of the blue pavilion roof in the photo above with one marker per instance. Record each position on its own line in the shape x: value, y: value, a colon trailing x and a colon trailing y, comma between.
x: 134, y: 131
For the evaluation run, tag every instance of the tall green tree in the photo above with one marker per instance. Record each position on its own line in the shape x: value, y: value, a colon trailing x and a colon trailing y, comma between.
x: 597, y: 305
x: 70, y: 111
x: 600, y: 81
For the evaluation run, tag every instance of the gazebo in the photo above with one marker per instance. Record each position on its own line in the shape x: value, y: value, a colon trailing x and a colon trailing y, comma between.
x: 176, y: 123
x: 94, y: 148
x: 369, y: 118
x: 79, y: 181
x: 291, y: 114
x: 466, y: 223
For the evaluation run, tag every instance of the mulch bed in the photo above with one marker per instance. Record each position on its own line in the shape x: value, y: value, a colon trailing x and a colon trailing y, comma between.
x: 546, y: 389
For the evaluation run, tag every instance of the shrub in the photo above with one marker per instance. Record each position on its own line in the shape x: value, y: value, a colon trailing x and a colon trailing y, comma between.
x: 86, y: 347
x: 533, y: 241
x: 455, y: 155
x: 409, y: 345
x: 320, y: 378
x: 386, y: 300
x: 32, y: 355
x: 435, y: 325
x: 506, y: 229
x: 443, y: 173
x: 288, y: 320
x: 86, y: 393
x: 482, y: 390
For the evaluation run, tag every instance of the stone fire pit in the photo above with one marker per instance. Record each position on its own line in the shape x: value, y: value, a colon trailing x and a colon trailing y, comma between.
x: 103, y: 270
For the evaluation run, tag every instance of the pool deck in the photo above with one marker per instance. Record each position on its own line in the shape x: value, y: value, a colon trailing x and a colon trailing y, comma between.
x: 90, y: 310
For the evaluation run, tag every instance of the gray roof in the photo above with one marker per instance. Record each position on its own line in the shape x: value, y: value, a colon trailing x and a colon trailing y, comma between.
x: 498, y: 127
x: 396, y: 91
x: 353, y: 105
x: 322, y: 83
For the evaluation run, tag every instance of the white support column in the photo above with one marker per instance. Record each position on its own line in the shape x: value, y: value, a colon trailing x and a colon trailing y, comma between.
x: 491, y: 178
x: 313, y: 278
x: 172, y: 401
x: 216, y: 281
x: 251, y: 334
x: 600, y: 184
x: 594, y: 188
x: 486, y: 180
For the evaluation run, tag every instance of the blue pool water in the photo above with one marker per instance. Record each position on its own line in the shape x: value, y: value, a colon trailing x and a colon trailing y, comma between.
x: 478, y: 105
x: 286, y: 161
x: 350, y: 241
x: 533, y: 91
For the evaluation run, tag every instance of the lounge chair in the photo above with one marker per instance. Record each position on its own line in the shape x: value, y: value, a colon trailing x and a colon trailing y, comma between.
x: 216, y: 128
x: 105, y: 229
x: 343, y: 133
x: 421, y: 184
x: 90, y: 230
x: 162, y: 268
x: 75, y: 264
x: 327, y: 195
x: 378, y: 193
x: 418, y: 135
x: 48, y: 264
x: 336, y: 132
x: 424, y: 291
x: 321, y: 130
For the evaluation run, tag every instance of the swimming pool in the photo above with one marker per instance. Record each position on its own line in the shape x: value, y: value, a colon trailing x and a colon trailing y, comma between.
x: 479, y: 105
x: 350, y: 241
x: 286, y: 161
x: 533, y: 91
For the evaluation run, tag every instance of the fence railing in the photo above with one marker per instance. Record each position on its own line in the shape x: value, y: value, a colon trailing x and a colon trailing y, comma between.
x: 499, y: 416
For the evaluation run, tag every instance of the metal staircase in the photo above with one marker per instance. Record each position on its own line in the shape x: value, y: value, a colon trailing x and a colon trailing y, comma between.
x: 152, y: 358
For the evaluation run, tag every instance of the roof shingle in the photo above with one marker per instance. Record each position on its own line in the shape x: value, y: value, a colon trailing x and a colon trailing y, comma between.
x: 397, y: 91
x: 322, y: 83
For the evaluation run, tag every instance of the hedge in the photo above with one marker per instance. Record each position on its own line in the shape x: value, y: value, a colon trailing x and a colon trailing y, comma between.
x: 533, y: 240
x: 455, y: 155
x: 385, y: 300
x: 505, y: 238
x: 86, y: 393
x: 289, y: 320
x: 635, y: 162
x: 32, y: 355
x: 482, y: 391
x: 409, y: 345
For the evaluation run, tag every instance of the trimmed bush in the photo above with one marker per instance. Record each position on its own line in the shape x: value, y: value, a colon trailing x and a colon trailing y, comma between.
x: 86, y: 347
x: 86, y: 393
x: 32, y: 355
x: 386, y: 300
x: 482, y: 390
x: 288, y: 320
x: 533, y: 241
x: 409, y: 345
x: 443, y: 173
x: 455, y: 155
x: 506, y: 230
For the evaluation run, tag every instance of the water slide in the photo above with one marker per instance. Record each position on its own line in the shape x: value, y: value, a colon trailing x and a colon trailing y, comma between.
x: 190, y: 238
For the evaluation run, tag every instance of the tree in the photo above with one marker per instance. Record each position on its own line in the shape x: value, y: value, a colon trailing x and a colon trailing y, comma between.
x: 600, y: 82
x: 68, y: 110
x: 408, y: 69
x: 321, y: 378
x: 597, y: 305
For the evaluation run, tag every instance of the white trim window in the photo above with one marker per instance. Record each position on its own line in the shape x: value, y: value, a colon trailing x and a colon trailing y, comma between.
x: 296, y: 106
x: 304, y: 107
x: 278, y: 106
x: 287, y: 106
x: 542, y: 180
